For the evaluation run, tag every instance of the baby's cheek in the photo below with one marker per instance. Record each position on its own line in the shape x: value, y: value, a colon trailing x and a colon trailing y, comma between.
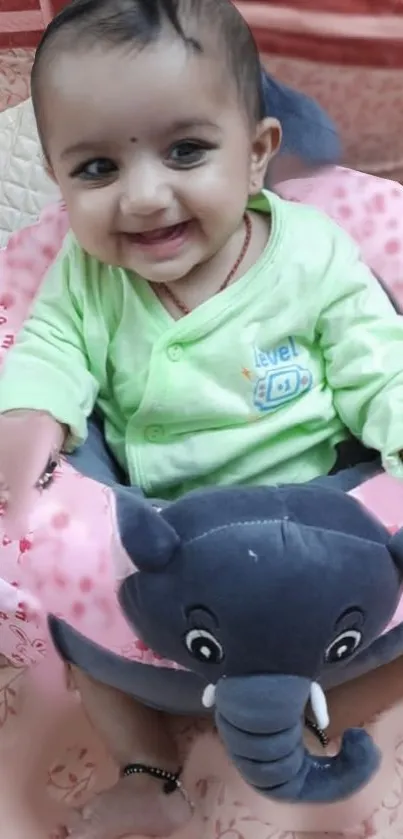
x: 92, y: 232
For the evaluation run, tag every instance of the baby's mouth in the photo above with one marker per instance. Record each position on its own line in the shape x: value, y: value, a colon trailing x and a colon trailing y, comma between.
x: 160, y: 234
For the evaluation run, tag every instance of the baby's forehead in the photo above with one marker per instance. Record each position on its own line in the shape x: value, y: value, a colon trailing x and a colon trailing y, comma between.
x: 64, y: 60
x: 152, y: 87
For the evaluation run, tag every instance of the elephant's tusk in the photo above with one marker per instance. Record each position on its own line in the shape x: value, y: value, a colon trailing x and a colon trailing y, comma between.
x: 208, y: 697
x: 317, y: 697
x: 319, y: 705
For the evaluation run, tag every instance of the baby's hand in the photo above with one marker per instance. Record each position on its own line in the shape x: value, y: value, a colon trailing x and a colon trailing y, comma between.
x: 28, y: 439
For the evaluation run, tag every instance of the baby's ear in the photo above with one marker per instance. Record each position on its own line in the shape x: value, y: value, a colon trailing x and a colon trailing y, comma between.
x: 396, y: 549
x: 147, y: 540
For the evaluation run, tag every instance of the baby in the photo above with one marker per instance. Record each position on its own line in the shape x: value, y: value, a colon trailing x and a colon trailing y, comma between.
x: 225, y: 335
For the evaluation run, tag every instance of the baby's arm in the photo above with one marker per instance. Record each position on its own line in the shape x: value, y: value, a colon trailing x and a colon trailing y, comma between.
x: 46, y: 388
x: 47, y: 369
x: 362, y: 340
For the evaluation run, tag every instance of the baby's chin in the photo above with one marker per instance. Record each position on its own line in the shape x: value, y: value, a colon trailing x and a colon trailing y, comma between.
x: 163, y: 270
x: 163, y: 273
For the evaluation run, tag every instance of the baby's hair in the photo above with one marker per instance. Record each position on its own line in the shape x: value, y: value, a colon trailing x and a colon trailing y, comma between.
x: 141, y: 22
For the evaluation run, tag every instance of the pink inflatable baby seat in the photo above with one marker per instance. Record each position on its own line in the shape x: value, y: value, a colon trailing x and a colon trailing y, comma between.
x: 51, y: 759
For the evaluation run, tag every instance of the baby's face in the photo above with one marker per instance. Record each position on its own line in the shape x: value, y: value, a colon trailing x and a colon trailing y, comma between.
x: 153, y: 153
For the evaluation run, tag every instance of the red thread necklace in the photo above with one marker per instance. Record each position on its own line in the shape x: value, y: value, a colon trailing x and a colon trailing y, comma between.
x: 248, y: 235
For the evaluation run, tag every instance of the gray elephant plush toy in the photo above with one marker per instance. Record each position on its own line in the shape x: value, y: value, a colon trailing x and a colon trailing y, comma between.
x: 257, y: 593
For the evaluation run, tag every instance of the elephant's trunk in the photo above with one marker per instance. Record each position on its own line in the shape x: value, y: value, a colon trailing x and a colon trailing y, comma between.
x: 260, y: 721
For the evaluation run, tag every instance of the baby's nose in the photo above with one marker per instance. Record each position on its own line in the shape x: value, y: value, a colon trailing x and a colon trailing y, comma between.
x: 145, y: 193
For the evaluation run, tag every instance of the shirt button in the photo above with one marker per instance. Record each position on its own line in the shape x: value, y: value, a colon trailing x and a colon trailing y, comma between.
x: 154, y: 433
x: 175, y: 352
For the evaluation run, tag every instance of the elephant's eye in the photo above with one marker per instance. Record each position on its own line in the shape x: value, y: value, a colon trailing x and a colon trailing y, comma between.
x: 343, y: 646
x: 203, y: 646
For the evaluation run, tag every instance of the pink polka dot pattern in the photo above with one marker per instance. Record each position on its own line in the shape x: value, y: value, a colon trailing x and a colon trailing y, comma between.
x: 65, y: 564
x: 368, y: 208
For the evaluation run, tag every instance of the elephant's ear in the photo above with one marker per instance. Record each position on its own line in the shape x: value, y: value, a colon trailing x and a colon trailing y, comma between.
x: 396, y: 549
x: 146, y: 538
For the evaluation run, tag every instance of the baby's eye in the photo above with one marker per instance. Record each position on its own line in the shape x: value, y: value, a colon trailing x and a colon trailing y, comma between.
x: 97, y: 169
x: 188, y: 153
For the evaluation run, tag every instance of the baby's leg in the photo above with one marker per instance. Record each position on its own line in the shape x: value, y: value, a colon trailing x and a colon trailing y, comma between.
x: 133, y: 734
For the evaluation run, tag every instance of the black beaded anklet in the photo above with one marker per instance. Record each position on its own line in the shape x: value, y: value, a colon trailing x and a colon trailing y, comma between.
x: 171, y: 779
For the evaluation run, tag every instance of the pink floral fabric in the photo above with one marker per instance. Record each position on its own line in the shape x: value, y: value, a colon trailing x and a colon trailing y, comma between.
x: 15, y: 69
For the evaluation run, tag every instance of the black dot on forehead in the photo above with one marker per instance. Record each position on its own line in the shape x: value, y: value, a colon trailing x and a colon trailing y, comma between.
x: 133, y: 139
